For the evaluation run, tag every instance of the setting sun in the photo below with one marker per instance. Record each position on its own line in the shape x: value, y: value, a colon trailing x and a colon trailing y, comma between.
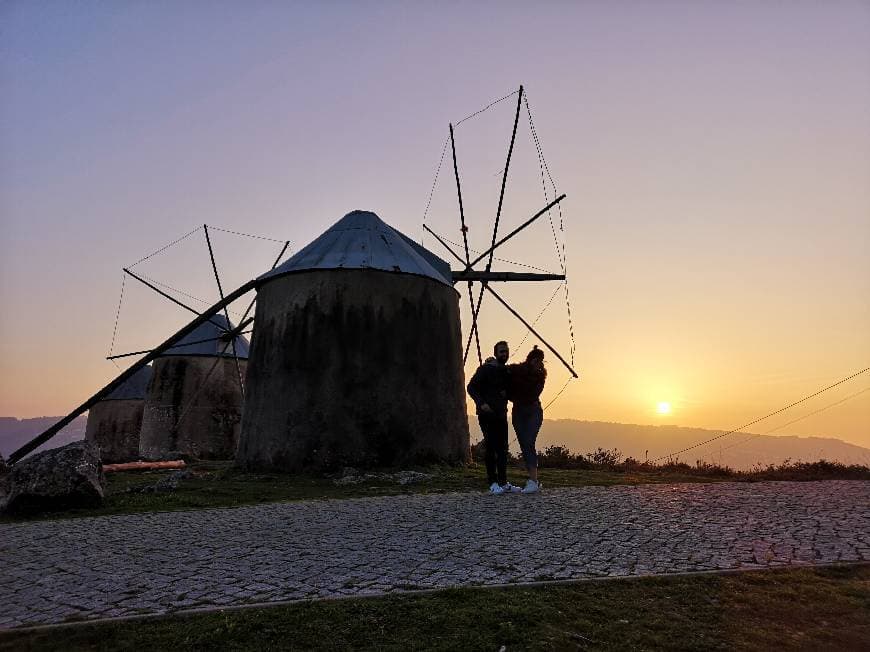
x: 663, y: 407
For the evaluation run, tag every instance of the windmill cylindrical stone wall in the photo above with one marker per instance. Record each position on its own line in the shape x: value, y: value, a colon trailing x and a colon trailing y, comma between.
x: 357, y: 367
x: 114, y: 424
x: 194, y: 400
x: 190, y: 411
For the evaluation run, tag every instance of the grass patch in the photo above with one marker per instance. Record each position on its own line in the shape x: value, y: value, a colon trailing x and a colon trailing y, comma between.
x: 219, y: 484
x: 823, y: 608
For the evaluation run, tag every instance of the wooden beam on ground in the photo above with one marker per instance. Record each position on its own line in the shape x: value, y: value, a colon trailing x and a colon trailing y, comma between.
x: 144, y: 466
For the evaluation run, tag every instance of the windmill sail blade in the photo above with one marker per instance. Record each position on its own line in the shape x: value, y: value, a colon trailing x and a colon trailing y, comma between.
x: 171, y: 298
x: 217, y: 279
x: 510, y: 235
x: 531, y: 328
x: 464, y: 229
x: 487, y: 277
x: 475, y: 311
x: 445, y: 245
x: 476, y: 333
x: 497, y: 218
x: 234, y: 333
x: 274, y: 265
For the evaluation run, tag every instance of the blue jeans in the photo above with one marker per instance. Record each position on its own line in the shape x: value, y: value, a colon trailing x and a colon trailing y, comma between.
x: 527, y: 420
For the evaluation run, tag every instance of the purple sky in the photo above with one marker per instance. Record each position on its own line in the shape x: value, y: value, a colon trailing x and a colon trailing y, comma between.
x: 716, y: 158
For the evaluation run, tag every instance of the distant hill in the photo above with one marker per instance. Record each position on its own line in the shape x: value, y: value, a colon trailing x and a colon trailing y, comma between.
x: 14, y: 433
x: 578, y: 436
x: 640, y: 441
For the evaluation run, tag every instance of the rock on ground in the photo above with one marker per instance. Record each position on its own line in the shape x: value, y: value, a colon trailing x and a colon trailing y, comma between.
x: 4, y: 482
x: 167, y: 483
x: 352, y: 476
x: 56, y: 479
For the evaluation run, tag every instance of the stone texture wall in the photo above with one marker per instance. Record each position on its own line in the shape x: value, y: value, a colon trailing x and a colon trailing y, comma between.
x: 354, y: 367
x: 191, y: 411
x: 114, y: 426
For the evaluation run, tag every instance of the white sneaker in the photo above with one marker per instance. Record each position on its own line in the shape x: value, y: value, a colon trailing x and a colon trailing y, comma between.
x: 495, y: 489
x: 510, y: 489
x: 531, y: 487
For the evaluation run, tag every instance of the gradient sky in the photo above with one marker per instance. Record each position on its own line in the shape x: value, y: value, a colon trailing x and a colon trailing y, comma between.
x: 716, y: 158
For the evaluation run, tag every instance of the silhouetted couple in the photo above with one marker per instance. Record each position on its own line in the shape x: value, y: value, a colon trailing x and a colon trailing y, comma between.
x: 494, y: 384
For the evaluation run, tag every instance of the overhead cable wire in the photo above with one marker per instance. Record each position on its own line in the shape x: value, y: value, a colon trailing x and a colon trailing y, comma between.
x: 801, y: 418
x: 766, y: 416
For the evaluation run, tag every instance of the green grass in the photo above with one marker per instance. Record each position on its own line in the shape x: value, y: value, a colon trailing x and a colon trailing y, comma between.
x: 824, y: 608
x: 218, y: 484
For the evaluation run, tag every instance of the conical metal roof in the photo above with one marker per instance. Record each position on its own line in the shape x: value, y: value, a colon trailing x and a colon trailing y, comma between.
x: 133, y: 388
x: 361, y: 240
x: 206, y: 339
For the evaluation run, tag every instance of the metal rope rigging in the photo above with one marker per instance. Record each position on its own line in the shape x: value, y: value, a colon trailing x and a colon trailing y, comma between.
x: 432, y: 189
x: 538, y: 318
x: 177, y: 291
x: 563, y: 258
x: 151, y: 282
x: 118, y: 314
x: 476, y: 251
x: 487, y: 107
x: 165, y: 247
x: 487, y: 275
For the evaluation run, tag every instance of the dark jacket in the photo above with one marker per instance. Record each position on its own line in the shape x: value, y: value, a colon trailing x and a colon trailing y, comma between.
x: 489, y: 385
x: 525, y: 384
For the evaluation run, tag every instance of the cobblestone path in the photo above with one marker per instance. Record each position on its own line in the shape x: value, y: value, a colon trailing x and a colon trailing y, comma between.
x: 162, y: 562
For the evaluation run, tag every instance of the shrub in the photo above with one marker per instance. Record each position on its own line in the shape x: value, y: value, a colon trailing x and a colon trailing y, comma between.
x: 557, y: 457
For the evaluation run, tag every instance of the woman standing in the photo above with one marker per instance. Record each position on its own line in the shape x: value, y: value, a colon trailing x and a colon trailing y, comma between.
x: 525, y: 384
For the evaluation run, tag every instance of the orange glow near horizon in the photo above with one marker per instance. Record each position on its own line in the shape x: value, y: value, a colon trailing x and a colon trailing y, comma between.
x: 715, y: 159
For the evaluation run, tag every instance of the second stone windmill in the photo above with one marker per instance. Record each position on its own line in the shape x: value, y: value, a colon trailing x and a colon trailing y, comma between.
x: 194, y: 401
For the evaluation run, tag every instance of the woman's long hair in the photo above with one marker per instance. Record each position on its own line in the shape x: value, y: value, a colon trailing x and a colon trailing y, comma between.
x: 537, y: 354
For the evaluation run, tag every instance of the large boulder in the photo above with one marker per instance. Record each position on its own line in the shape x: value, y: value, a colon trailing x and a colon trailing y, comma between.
x: 56, y: 479
x: 4, y: 481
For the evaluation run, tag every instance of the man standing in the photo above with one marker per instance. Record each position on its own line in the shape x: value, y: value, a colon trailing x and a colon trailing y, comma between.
x: 488, y: 390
